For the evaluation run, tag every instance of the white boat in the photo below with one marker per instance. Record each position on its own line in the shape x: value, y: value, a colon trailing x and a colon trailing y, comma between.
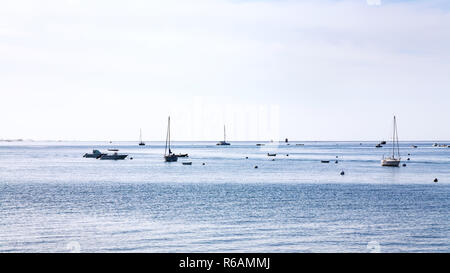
x: 224, y: 142
x: 95, y: 154
x: 393, y: 161
x: 113, y: 156
x: 168, y: 155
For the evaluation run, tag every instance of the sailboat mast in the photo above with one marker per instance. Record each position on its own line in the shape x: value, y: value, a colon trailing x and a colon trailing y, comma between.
x: 396, y: 135
x: 224, y: 134
x: 393, y: 141
x: 167, y: 137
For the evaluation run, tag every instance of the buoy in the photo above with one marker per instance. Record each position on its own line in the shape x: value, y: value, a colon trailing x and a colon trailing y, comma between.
x: 337, y: 156
x: 203, y: 164
x: 273, y: 159
x: 436, y: 180
x: 404, y: 165
x: 342, y: 173
x: 131, y: 158
x: 408, y: 159
x: 246, y: 157
x: 287, y: 155
x: 336, y: 162
x: 256, y: 167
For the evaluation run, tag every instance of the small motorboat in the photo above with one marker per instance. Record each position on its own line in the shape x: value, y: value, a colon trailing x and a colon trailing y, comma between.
x: 260, y: 144
x: 414, y: 146
x: 269, y: 154
x: 187, y: 163
x: 299, y: 144
x: 182, y: 155
x: 95, y: 154
x: 383, y: 142
x: 325, y: 161
x: 113, y: 156
x: 378, y: 146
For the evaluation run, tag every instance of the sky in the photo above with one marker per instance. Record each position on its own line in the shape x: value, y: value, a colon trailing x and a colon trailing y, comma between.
x: 303, y: 70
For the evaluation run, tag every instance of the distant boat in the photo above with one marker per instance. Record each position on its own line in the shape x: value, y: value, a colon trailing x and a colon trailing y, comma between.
x: 269, y: 154
x: 325, y: 161
x: 95, y: 154
x: 141, y: 143
x: 378, y: 146
x: 224, y: 142
x: 168, y: 155
x: 260, y: 144
x: 383, y: 142
x: 113, y: 156
x: 393, y: 161
x: 187, y: 163
x: 414, y: 146
x: 435, y: 145
x: 182, y: 155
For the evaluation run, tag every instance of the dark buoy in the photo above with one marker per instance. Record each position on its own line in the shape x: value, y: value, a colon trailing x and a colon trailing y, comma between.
x: 273, y: 159
x: 336, y: 162
x: 203, y: 164
x: 436, y: 180
x: 256, y: 167
x: 404, y: 165
x: 246, y: 157
x: 337, y: 156
x: 131, y: 158
x: 287, y: 155
x: 408, y: 159
x: 342, y: 173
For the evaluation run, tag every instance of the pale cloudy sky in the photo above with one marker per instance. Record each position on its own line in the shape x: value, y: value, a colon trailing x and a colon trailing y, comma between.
x: 307, y: 70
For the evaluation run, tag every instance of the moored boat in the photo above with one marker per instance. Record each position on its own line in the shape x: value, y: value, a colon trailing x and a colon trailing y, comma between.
x: 113, y: 156
x: 168, y: 155
x: 393, y: 161
x: 94, y: 154
x: 224, y: 142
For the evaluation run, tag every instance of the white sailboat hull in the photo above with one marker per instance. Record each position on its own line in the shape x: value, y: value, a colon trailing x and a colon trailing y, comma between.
x: 390, y: 162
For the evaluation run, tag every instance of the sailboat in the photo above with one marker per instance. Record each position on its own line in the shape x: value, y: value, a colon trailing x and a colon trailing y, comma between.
x: 393, y: 161
x: 141, y: 143
x: 224, y: 142
x: 168, y: 155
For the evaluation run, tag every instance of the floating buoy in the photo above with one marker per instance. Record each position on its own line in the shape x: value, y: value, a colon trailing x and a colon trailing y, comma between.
x: 287, y: 155
x: 404, y: 165
x: 436, y: 180
x: 203, y: 164
x: 408, y: 159
x: 337, y: 156
x: 336, y: 162
x: 342, y: 173
x: 256, y: 167
x: 246, y: 157
x: 273, y: 159
x: 131, y: 158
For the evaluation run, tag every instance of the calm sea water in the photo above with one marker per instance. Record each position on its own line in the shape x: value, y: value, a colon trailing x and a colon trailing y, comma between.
x: 54, y: 200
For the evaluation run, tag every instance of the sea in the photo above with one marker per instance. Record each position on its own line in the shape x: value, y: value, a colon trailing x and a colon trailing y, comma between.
x: 231, y: 199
